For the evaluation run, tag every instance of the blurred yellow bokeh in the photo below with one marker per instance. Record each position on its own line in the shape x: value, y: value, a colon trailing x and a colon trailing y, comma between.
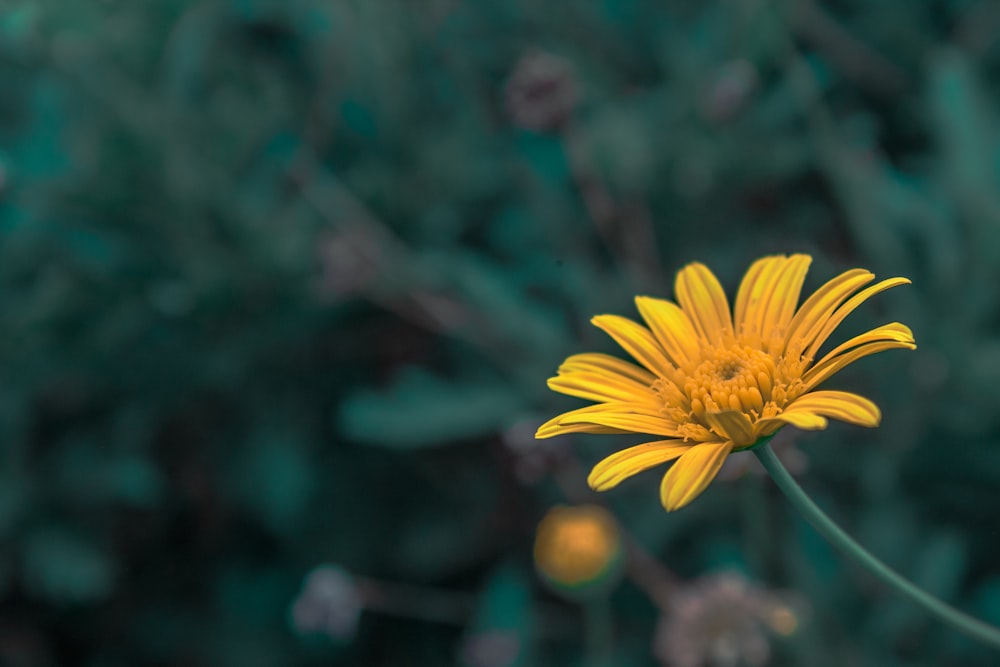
x: 577, y: 545
x: 783, y: 620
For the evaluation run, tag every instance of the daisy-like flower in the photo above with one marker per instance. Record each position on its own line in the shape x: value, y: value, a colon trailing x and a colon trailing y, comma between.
x: 711, y: 381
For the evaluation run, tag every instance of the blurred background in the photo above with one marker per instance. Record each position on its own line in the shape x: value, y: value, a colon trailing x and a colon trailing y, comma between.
x: 281, y: 282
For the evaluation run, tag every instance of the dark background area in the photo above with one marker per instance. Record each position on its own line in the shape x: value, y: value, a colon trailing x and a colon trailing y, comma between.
x: 281, y: 283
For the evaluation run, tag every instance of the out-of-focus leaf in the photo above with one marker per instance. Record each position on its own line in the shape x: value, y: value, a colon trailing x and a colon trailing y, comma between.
x: 275, y: 481
x: 254, y: 596
x: 65, y: 569
x: 968, y: 137
x: 968, y: 140
x: 93, y: 477
x: 420, y: 410
x: 987, y: 600
x: 134, y: 481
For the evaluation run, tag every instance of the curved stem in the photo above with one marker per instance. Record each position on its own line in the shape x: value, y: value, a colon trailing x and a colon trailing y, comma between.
x: 984, y: 632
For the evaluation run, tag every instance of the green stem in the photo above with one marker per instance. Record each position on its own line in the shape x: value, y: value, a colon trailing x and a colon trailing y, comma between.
x: 597, y: 630
x: 984, y: 632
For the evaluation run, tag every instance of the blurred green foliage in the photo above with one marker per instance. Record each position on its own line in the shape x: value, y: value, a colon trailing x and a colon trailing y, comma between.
x: 281, y: 282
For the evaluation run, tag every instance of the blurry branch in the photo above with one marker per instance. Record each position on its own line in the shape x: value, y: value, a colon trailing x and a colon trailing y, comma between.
x: 855, y: 59
x: 640, y: 243
x: 403, y: 283
x: 800, y: 76
x: 626, y: 230
x: 596, y: 199
x: 437, y: 605
x: 646, y: 572
x: 419, y: 602
x: 542, y: 95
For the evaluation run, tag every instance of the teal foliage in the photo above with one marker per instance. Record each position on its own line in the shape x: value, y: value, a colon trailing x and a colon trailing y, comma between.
x: 419, y: 410
x: 281, y: 283
x: 504, y: 623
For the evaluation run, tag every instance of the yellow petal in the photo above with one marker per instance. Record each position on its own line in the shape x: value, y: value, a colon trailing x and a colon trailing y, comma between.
x: 847, y: 308
x: 842, y: 405
x: 671, y: 327
x: 605, y: 364
x: 814, y: 313
x: 803, y: 419
x: 553, y: 428
x: 731, y: 425
x: 769, y: 293
x: 703, y: 299
x: 692, y: 472
x: 756, y: 283
x: 594, y: 387
x: 752, y: 287
x: 625, y: 421
x: 638, y: 341
x: 822, y: 372
x: 779, y: 306
x: 612, y: 470
x: 893, y: 331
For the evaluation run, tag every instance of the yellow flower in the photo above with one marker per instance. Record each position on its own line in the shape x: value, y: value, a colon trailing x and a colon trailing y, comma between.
x: 577, y: 547
x: 712, y: 383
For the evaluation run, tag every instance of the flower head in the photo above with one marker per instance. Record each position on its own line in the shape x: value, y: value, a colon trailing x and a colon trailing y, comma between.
x: 578, y: 549
x: 710, y: 382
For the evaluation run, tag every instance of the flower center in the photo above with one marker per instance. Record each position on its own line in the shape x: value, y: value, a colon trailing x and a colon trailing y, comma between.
x: 738, y: 377
x: 729, y: 369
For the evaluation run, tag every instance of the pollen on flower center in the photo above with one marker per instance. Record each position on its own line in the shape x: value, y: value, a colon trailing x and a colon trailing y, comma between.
x: 737, y: 377
x: 729, y: 370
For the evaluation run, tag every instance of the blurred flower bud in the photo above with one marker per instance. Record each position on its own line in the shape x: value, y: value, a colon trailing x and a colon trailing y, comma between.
x: 490, y: 649
x: 722, y: 620
x: 783, y: 620
x: 578, y: 550
x: 542, y: 92
x: 729, y: 90
x: 329, y: 603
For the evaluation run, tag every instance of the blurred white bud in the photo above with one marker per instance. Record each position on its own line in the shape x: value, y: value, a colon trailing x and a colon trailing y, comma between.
x: 349, y: 262
x: 329, y: 603
x: 722, y: 620
x: 490, y: 649
x: 729, y: 90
